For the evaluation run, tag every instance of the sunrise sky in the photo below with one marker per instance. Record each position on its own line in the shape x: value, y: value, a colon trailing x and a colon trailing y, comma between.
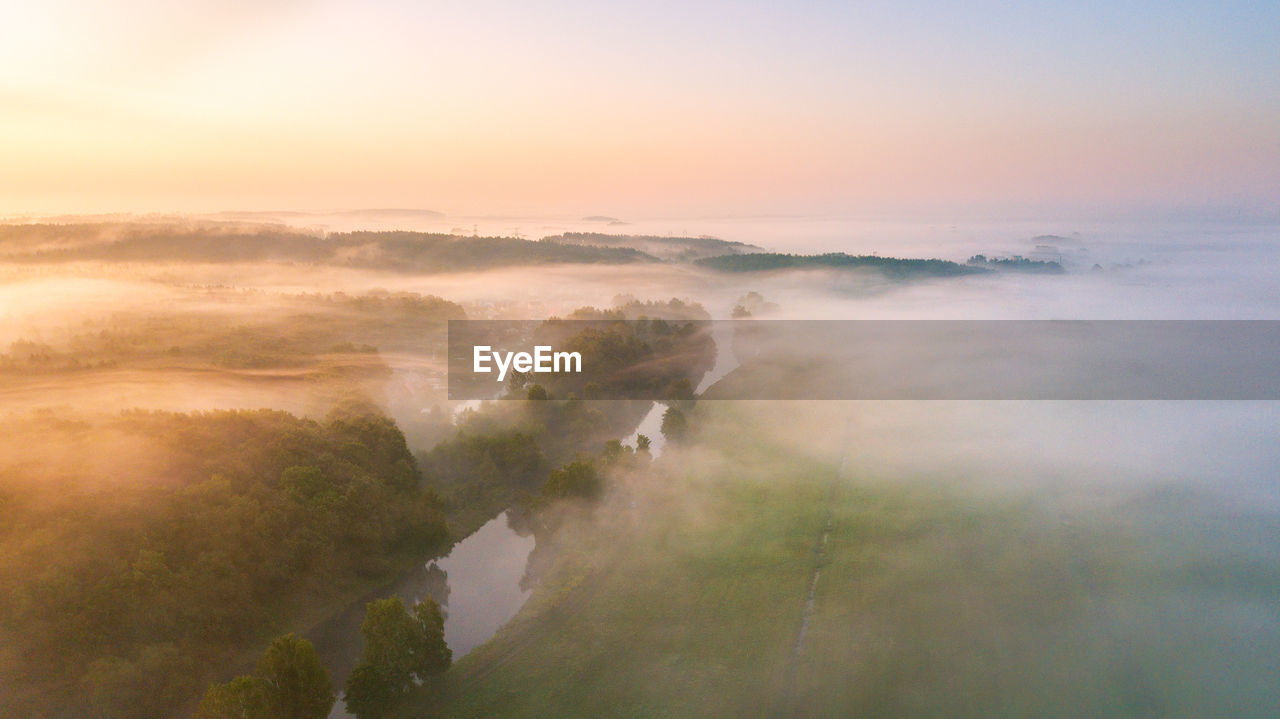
x: 643, y: 108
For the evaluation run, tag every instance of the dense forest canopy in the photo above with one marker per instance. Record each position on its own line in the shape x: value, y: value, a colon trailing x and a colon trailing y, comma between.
x: 141, y: 552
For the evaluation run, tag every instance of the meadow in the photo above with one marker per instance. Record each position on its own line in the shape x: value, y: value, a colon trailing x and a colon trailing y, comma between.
x: 767, y: 571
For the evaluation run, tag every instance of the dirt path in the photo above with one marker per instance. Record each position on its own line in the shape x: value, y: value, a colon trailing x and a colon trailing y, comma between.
x: 791, y: 705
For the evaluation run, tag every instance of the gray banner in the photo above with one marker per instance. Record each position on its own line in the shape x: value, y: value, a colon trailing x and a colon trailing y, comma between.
x: 763, y: 359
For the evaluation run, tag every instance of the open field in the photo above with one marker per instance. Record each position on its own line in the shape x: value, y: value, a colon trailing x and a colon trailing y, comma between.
x: 687, y: 597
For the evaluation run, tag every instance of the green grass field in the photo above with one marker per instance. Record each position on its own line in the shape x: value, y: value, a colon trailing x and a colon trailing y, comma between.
x: 684, y: 596
x: 686, y: 603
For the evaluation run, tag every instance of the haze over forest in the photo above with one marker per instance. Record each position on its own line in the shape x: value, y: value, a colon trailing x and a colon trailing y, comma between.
x: 234, y: 483
x: 249, y: 425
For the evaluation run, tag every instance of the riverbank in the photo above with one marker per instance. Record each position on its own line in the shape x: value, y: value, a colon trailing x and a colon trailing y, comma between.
x: 319, y: 612
x: 643, y: 584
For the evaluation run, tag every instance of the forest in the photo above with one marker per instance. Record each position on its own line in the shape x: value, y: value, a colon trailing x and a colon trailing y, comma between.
x: 502, y: 453
x: 145, y: 551
x: 206, y: 241
x: 1018, y: 263
x: 402, y: 251
x: 154, y: 553
x: 254, y: 438
x: 891, y: 267
x: 678, y: 249
x: 906, y: 359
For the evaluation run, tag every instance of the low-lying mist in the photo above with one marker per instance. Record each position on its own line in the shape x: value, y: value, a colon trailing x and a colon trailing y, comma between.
x: 1051, y: 558
x: 965, y: 557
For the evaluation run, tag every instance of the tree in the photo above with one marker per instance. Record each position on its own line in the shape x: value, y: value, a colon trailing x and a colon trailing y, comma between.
x: 578, y: 478
x: 431, y: 654
x: 679, y: 394
x: 241, y: 698
x: 399, y: 648
x: 370, y: 694
x: 642, y: 448
x: 297, y: 684
x: 288, y: 683
x: 674, y: 425
x: 614, y: 451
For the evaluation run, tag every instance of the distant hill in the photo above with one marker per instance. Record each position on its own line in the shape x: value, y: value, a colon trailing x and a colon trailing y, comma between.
x: 605, y: 219
x: 672, y: 249
x: 227, y: 242
x: 891, y: 267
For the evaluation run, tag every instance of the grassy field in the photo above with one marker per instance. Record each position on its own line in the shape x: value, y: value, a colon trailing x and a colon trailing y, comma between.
x: 685, y: 596
x: 679, y: 598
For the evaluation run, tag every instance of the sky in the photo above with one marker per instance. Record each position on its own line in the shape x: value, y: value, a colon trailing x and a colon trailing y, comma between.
x: 640, y: 109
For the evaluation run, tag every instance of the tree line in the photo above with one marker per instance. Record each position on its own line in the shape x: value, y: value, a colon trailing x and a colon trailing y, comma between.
x: 891, y: 267
x: 401, y: 251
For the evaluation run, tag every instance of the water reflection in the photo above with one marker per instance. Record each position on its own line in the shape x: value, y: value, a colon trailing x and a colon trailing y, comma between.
x: 484, y: 587
x: 479, y: 586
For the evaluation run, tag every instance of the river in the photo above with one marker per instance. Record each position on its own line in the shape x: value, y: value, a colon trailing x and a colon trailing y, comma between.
x: 478, y: 586
x: 479, y: 583
x: 726, y: 362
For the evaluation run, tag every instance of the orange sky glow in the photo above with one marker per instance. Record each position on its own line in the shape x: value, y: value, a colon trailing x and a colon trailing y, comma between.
x: 646, y: 109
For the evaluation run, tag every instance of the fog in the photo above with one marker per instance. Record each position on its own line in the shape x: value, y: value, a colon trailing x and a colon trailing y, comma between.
x: 1186, y: 272
x: 1176, y: 501
x: 1168, y: 510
